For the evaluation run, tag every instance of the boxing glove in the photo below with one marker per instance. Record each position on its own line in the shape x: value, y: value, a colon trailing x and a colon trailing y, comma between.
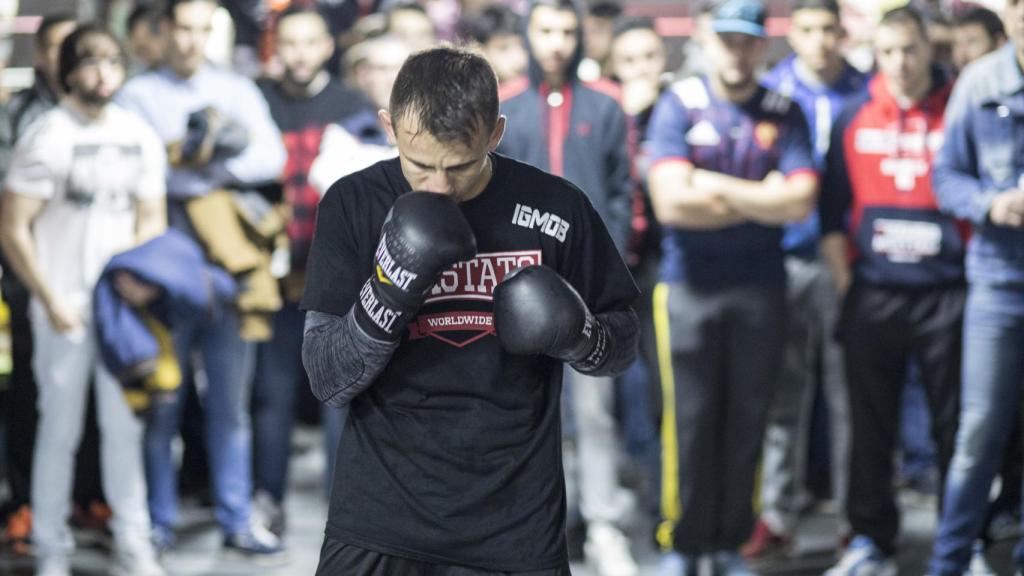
x: 538, y: 312
x: 423, y: 235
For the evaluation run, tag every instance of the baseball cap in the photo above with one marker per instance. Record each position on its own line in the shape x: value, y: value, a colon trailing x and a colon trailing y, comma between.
x: 742, y: 16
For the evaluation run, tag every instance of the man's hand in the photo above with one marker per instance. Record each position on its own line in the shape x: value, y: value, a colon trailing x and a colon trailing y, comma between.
x: 63, y: 319
x: 134, y: 291
x: 834, y: 253
x: 638, y: 95
x: 1008, y: 208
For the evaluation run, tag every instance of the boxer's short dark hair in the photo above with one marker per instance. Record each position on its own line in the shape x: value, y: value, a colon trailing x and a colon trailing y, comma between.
x: 453, y: 92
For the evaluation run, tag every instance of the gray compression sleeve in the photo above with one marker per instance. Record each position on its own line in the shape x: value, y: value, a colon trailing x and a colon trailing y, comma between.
x: 623, y: 332
x: 340, y: 359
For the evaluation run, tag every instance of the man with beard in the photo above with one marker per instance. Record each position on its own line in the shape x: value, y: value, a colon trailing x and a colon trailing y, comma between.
x: 303, y: 102
x: 731, y: 164
x: 86, y: 181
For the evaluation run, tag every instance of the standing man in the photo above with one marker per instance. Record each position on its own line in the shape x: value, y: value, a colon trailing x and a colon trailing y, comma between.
x: 497, y: 32
x: 303, y: 103
x: 977, y: 177
x: 731, y: 165
x: 86, y: 181
x: 976, y: 33
x: 188, y: 88
x: 450, y: 354
x: 578, y: 130
x: 146, y: 44
x: 899, y: 263
x: 820, y: 80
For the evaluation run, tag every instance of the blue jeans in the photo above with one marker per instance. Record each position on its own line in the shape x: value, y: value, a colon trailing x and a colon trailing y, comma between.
x: 993, y: 367
x: 228, y: 364
x: 918, y: 448
x: 278, y: 373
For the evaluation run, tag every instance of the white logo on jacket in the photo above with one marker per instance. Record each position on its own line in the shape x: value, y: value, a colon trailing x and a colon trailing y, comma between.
x: 546, y: 222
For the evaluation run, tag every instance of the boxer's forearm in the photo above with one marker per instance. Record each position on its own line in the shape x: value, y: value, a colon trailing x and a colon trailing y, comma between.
x: 340, y: 359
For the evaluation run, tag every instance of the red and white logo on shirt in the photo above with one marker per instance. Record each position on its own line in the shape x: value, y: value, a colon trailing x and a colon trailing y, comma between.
x: 470, y: 280
x: 907, y: 150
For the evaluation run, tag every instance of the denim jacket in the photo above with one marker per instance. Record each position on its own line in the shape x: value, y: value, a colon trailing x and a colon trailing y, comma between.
x: 981, y: 157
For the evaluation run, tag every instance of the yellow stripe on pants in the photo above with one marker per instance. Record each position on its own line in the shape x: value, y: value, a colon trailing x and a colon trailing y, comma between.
x: 670, y: 504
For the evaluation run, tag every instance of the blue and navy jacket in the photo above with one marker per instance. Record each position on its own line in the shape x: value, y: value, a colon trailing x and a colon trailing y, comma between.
x: 189, y: 287
x: 878, y: 190
x: 578, y: 132
x: 821, y: 105
x: 750, y: 140
x: 982, y: 156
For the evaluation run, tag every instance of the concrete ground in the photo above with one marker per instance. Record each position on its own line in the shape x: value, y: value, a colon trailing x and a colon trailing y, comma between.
x: 198, y: 553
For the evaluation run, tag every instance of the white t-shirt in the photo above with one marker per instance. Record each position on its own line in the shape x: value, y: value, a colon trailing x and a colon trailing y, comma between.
x: 90, y: 173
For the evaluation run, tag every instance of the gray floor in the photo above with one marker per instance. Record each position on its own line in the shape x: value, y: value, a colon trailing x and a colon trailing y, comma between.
x: 199, y: 554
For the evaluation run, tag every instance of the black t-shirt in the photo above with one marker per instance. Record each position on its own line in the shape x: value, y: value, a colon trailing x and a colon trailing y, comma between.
x: 453, y: 455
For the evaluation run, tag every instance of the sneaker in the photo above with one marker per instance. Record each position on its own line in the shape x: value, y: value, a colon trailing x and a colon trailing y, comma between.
x: 979, y: 563
x: 863, y: 558
x: 676, y: 564
x: 137, y: 559
x: 255, y: 544
x: 765, y: 544
x: 55, y: 565
x: 607, y: 551
x: 730, y: 563
x: 18, y: 531
x: 268, y: 513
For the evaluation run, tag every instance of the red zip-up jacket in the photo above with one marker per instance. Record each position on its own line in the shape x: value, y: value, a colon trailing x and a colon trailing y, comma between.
x: 877, y: 188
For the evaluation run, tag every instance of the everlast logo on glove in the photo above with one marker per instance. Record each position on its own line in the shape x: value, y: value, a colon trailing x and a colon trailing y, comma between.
x: 380, y: 314
x: 389, y: 272
x: 534, y: 219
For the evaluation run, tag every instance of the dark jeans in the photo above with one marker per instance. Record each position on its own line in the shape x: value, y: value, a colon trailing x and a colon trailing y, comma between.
x: 725, y: 346
x: 227, y: 362
x: 917, y: 447
x: 882, y: 329
x: 278, y: 375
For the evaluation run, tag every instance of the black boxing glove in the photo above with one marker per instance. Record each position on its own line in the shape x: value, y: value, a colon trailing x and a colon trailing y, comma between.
x: 537, y: 312
x: 423, y: 234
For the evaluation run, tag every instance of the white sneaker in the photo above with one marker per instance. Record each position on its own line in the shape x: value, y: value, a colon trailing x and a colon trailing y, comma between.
x: 268, y: 513
x: 863, y: 558
x: 979, y: 563
x: 137, y: 559
x: 607, y: 550
x: 55, y: 565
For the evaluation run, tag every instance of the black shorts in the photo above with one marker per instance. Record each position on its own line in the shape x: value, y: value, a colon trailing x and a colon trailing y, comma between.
x: 340, y: 559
